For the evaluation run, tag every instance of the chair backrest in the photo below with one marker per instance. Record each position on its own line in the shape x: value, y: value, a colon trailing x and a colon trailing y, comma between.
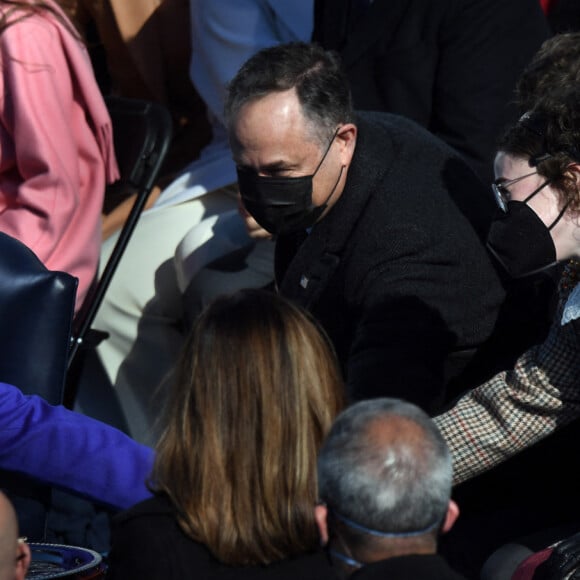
x: 142, y: 134
x: 36, y: 313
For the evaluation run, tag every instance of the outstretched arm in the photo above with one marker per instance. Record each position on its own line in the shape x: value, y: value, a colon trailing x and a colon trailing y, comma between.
x: 71, y: 451
x: 517, y: 408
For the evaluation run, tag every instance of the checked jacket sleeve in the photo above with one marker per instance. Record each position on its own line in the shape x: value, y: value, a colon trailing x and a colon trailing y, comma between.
x: 519, y: 407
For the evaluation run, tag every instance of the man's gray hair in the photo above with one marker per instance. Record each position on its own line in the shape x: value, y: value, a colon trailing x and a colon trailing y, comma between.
x: 395, y: 481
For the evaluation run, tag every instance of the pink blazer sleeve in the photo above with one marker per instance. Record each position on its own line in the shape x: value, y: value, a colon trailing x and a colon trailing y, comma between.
x: 52, y: 176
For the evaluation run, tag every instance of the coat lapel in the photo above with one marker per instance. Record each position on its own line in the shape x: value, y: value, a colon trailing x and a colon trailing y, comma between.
x: 313, y: 262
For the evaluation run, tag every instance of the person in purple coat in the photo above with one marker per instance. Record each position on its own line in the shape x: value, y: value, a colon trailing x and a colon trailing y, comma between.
x: 58, y: 447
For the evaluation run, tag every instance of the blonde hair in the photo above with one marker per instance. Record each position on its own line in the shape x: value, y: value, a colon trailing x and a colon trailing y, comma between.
x: 256, y: 391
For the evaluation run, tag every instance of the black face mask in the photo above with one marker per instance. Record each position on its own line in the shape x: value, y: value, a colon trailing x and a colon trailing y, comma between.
x: 282, y: 205
x: 520, y: 240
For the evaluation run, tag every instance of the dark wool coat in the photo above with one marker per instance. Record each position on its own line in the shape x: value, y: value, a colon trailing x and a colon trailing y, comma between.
x: 415, y: 567
x: 397, y: 272
x: 148, y: 543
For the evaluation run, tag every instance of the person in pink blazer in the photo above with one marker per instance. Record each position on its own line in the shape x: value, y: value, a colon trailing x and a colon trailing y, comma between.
x: 56, y: 147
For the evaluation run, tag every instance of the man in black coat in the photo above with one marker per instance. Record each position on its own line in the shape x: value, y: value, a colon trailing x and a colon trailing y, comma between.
x: 379, y: 224
x: 449, y: 65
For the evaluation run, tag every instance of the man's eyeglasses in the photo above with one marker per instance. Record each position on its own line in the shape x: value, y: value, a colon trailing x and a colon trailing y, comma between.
x: 502, y: 193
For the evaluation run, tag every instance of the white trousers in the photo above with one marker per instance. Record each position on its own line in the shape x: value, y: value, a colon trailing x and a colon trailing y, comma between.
x: 144, y: 309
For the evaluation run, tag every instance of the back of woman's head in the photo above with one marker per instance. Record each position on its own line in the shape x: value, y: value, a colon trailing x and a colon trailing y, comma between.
x: 549, y: 135
x: 256, y: 391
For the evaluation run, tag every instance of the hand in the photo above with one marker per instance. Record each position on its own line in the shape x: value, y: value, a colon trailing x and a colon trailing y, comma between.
x: 255, y: 230
x: 564, y: 561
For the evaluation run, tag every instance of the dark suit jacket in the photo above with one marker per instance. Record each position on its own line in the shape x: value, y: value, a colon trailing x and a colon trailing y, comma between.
x: 419, y: 567
x: 148, y: 543
x: 450, y: 65
x: 396, y: 272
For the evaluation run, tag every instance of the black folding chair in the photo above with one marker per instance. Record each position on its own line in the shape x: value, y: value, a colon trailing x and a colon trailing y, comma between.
x: 142, y: 133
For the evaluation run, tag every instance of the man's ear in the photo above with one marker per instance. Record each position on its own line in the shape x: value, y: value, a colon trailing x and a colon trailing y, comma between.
x: 347, y: 139
x: 22, y: 560
x: 320, y: 515
x: 451, y: 516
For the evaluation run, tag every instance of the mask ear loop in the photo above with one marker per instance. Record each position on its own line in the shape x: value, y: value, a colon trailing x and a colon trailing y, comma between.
x: 326, y: 152
x: 560, y: 216
x: 563, y: 210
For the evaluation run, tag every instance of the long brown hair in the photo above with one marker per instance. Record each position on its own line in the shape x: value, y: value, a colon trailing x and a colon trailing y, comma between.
x: 256, y: 391
x: 22, y: 9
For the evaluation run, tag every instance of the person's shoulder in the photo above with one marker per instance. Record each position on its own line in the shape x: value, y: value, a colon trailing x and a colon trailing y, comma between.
x: 311, y: 566
x: 382, y: 119
x: 409, y: 144
x: 157, y: 507
x: 400, y: 130
x: 410, y: 566
x: 29, y: 34
x: 17, y: 19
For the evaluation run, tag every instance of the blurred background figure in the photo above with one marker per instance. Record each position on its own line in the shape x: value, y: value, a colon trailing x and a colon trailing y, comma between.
x: 436, y: 62
x: 256, y: 391
x: 193, y: 223
x: 55, y: 138
x: 563, y: 15
x: 141, y: 49
x: 14, y: 552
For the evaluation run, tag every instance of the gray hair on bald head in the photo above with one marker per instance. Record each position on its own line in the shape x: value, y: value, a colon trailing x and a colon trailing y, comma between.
x: 385, y: 466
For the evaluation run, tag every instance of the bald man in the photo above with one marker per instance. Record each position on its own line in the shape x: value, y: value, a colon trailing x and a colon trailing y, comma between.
x: 384, y: 475
x: 14, y: 553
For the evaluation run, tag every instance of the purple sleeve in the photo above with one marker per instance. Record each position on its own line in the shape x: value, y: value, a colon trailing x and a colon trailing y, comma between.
x: 71, y: 451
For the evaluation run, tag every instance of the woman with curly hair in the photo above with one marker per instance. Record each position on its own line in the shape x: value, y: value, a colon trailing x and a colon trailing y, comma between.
x: 538, y: 187
x: 56, y: 148
x: 256, y: 391
x: 537, y: 190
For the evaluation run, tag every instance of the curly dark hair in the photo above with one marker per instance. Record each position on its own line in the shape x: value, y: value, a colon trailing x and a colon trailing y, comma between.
x: 555, y: 65
x: 549, y: 135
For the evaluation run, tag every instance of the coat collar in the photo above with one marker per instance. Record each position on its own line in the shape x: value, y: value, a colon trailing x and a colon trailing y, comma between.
x: 319, y: 255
